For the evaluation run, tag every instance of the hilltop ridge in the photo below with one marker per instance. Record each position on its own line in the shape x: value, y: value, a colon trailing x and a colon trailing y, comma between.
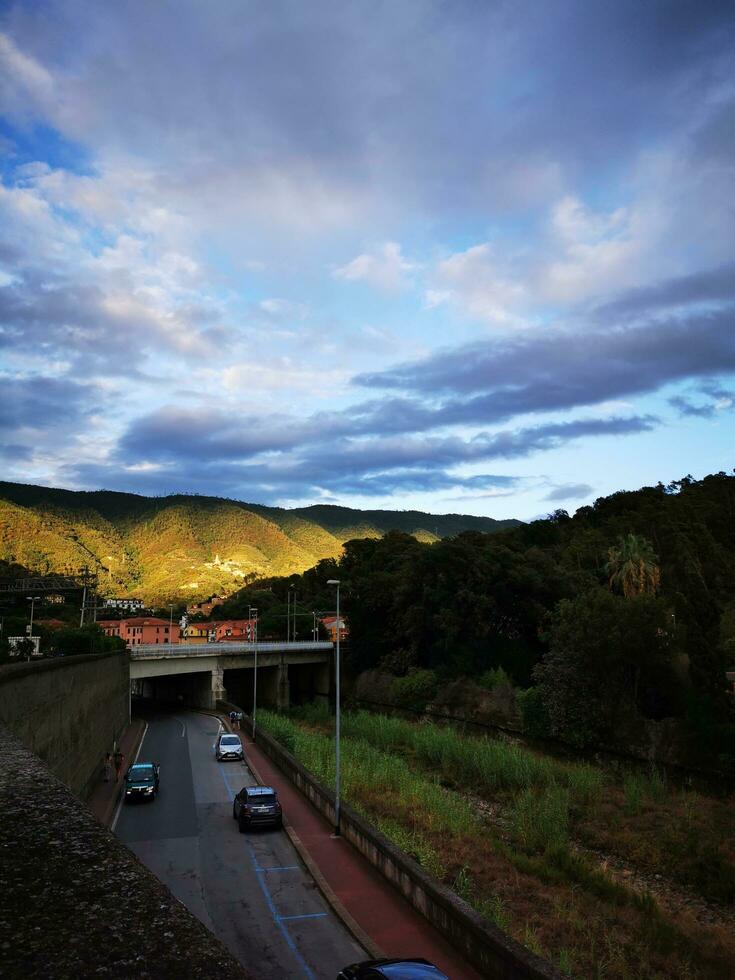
x: 188, y: 546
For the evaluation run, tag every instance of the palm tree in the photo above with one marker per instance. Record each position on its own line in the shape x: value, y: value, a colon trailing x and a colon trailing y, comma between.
x: 632, y: 567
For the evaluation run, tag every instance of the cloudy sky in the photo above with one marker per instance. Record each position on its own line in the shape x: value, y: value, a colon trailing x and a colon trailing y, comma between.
x: 461, y: 256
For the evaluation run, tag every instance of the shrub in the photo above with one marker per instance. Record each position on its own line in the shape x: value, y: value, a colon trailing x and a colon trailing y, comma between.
x: 415, y: 690
x: 494, y: 678
x: 534, y: 713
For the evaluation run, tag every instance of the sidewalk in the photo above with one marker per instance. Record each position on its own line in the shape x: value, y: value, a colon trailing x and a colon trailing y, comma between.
x: 105, y: 796
x: 377, y: 908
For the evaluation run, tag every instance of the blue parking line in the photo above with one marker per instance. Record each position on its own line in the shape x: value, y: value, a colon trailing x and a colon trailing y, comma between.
x: 260, y: 874
x: 230, y: 790
x: 306, y: 915
x: 290, y: 867
x: 277, y: 918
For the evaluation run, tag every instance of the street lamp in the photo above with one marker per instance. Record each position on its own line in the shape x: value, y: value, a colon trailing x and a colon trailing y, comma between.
x: 170, y: 625
x: 335, y: 581
x: 33, y: 599
x: 255, y: 673
x: 288, y: 613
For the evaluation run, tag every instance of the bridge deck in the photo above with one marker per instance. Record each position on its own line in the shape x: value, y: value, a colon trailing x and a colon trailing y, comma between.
x: 165, y: 650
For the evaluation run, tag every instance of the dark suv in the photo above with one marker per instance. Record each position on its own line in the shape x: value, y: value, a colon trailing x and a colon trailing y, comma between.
x: 257, y: 806
x: 141, y: 781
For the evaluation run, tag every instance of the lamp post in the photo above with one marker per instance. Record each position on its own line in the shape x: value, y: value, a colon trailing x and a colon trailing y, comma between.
x: 255, y: 672
x: 335, y: 581
x: 291, y: 595
x: 33, y: 599
x: 170, y: 625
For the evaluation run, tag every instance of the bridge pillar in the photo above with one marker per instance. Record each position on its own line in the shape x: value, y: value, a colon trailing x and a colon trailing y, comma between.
x: 283, y: 691
x: 218, y: 692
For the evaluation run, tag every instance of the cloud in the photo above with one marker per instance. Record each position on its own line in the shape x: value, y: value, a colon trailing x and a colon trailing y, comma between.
x: 570, y: 491
x: 283, y: 458
x: 384, y: 269
x: 550, y: 370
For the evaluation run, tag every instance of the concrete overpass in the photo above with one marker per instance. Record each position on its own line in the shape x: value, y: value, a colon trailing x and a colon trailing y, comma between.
x: 200, y: 674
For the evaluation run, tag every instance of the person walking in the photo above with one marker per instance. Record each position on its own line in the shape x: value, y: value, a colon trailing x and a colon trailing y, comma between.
x: 119, y: 759
x: 107, y: 767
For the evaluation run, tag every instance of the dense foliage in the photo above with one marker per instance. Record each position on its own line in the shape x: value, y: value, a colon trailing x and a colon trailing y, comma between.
x: 626, y: 610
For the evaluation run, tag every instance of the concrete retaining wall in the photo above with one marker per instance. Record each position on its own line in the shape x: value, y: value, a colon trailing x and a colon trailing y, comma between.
x: 75, y: 902
x: 496, y: 956
x: 68, y: 711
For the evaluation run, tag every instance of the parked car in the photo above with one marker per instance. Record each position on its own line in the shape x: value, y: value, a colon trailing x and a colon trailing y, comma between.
x: 257, y: 806
x: 141, y: 781
x: 416, y: 969
x: 228, y: 747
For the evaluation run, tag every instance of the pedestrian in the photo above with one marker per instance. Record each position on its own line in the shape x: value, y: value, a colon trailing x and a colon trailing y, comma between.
x: 233, y: 718
x: 119, y: 759
x: 107, y: 767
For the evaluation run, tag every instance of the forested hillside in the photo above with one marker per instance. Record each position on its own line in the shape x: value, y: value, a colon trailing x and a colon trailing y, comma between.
x: 188, y: 547
x: 620, y: 615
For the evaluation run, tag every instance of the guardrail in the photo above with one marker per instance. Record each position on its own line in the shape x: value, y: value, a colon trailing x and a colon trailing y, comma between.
x: 166, y: 650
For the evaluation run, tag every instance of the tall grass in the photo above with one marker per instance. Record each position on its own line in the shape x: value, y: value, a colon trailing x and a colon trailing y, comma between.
x: 540, y: 819
x: 377, y: 782
x: 483, y: 764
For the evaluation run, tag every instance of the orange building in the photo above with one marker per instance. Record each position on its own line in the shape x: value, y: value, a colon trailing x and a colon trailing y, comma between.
x: 330, y: 624
x: 229, y: 630
x: 142, y: 629
x: 238, y: 630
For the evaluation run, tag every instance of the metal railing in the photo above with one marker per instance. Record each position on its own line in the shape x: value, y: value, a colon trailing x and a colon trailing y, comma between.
x: 165, y: 650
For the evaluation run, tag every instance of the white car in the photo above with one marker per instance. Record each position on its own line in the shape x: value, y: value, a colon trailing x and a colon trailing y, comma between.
x: 228, y: 747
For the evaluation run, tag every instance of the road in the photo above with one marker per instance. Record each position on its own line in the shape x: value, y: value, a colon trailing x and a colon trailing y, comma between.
x: 251, y: 890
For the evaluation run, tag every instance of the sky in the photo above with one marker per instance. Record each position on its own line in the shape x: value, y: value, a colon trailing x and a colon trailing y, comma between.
x: 468, y: 257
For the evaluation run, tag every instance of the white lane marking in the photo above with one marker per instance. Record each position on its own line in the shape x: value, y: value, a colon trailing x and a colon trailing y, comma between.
x: 122, y: 795
x: 183, y: 727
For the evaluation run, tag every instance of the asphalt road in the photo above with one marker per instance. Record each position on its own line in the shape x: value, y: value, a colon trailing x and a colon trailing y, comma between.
x: 251, y: 890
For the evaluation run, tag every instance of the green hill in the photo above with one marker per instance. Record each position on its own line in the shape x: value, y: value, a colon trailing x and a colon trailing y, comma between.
x: 190, y: 547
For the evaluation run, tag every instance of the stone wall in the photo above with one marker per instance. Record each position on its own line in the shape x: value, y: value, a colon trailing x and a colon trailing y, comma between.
x: 496, y: 956
x: 75, y: 902
x: 68, y: 711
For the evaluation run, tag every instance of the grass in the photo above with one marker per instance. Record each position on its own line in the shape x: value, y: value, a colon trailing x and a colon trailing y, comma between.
x: 521, y: 873
x: 484, y: 764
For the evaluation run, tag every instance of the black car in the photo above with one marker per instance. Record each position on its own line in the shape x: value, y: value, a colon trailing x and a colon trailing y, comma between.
x: 415, y: 969
x: 257, y: 806
x: 141, y: 781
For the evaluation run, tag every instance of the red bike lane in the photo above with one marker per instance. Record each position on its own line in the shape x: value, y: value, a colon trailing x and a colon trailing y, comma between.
x: 379, y: 911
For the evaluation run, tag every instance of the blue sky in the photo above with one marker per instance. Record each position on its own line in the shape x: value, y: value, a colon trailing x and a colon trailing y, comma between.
x: 467, y: 257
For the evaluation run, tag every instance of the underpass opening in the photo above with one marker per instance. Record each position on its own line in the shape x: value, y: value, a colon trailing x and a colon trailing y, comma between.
x: 192, y: 690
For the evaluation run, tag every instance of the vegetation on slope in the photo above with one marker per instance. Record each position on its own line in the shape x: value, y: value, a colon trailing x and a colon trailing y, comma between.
x: 510, y: 854
x: 183, y: 547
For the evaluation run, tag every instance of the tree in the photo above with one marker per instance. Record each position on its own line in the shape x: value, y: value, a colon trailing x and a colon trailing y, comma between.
x: 607, y: 654
x: 632, y: 567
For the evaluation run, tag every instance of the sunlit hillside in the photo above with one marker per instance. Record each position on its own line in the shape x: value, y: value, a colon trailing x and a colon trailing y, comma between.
x: 189, y: 547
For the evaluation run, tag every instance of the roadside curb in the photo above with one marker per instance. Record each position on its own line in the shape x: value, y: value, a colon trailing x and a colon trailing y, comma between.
x: 371, y: 948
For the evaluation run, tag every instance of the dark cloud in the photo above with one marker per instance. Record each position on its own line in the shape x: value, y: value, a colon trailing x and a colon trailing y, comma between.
x: 708, y: 286
x: 686, y: 407
x: 50, y: 404
x: 415, y: 97
x: 570, y: 491
x: 374, y: 466
x: 550, y: 370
